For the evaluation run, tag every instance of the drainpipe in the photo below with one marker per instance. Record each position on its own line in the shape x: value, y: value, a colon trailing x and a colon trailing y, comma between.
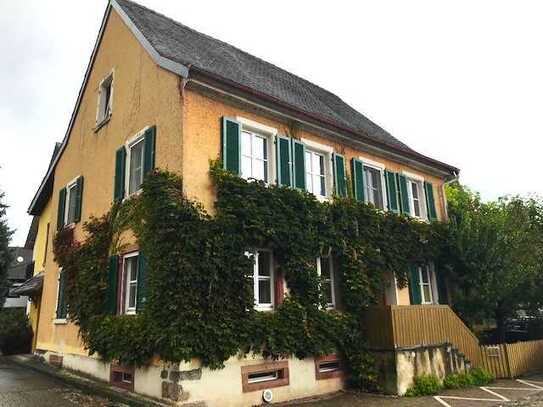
x: 453, y: 179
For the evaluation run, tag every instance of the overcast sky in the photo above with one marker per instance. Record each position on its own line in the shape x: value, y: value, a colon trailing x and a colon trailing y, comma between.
x: 460, y: 81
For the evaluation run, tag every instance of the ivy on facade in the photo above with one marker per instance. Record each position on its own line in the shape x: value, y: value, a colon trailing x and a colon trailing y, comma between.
x: 199, y: 299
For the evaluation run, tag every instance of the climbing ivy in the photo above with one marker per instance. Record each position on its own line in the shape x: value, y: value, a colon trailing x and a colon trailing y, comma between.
x: 199, y: 300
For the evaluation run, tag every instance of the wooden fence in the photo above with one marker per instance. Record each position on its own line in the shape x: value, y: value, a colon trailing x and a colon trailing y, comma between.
x: 399, y: 326
x: 513, y: 359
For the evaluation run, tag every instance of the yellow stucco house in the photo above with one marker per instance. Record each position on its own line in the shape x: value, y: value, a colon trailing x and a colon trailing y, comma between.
x: 159, y: 94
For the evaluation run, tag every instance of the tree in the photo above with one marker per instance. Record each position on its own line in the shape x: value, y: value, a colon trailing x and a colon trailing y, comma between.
x: 494, y: 250
x: 5, y: 252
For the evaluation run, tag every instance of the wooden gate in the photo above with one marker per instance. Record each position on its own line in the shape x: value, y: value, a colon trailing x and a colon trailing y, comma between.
x: 513, y: 359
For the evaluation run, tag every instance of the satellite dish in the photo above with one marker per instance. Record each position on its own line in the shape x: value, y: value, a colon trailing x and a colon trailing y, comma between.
x: 267, y: 396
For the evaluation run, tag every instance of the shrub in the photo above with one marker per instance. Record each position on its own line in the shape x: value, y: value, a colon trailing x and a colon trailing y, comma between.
x: 15, y: 331
x: 425, y: 385
x: 481, y: 377
x: 458, y: 380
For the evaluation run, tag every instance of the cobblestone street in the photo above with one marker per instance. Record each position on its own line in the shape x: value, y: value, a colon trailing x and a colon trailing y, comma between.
x: 22, y: 387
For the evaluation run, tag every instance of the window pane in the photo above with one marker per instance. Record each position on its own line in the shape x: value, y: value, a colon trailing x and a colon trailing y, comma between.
x: 264, y: 291
x: 316, y: 165
x: 308, y: 178
x: 427, y: 293
x: 132, y: 295
x: 327, y: 291
x: 264, y: 264
x: 246, y: 143
x: 136, y: 167
x: 425, y: 276
x: 259, y: 147
x: 72, y: 193
x: 325, y: 267
x: 323, y: 186
x: 317, y: 185
x: 259, y: 170
x: 415, y: 190
x: 321, y: 165
x: 246, y: 167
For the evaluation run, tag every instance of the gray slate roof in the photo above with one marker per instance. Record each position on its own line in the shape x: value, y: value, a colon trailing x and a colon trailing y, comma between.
x: 188, y: 47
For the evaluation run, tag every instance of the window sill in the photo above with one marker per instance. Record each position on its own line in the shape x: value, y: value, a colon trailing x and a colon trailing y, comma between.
x: 132, y: 195
x: 60, y: 321
x: 262, y: 308
x: 102, y: 123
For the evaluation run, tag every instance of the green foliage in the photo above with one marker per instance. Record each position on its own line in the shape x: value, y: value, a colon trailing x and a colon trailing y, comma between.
x: 481, y: 377
x: 199, y: 300
x: 425, y: 385
x: 458, y: 380
x: 15, y: 331
x: 495, y: 250
x: 5, y: 253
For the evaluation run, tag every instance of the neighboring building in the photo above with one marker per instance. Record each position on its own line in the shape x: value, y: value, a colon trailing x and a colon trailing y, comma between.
x: 17, y: 275
x: 159, y: 93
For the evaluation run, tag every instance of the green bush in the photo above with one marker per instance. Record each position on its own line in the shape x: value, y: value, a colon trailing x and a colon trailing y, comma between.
x: 15, y: 331
x: 458, y: 381
x: 425, y: 385
x: 481, y: 377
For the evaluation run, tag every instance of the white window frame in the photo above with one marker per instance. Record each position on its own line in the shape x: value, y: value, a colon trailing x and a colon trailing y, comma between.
x: 69, y: 186
x: 327, y: 152
x: 256, y: 278
x: 102, y: 118
x: 270, y: 134
x: 59, y: 321
x: 431, y: 284
x: 381, y: 168
x: 331, y: 305
x: 410, y: 179
x: 139, y: 137
x: 125, y: 292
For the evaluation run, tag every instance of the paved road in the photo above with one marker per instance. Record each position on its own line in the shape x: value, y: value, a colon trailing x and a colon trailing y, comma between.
x: 22, y: 387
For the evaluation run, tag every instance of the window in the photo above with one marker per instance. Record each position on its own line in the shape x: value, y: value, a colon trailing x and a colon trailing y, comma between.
x: 263, y: 280
x: 135, y: 165
x: 416, y: 198
x: 264, y: 376
x: 61, y: 311
x: 425, y: 278
x: 325, y: 268
x: 315, y: 173
x: 327, y: 367
x: 72, y: 192
x: 122, y: 376
x: 105, y: 93
x: 130, y: 278
x: 254, y: 156
x: 373, y: 178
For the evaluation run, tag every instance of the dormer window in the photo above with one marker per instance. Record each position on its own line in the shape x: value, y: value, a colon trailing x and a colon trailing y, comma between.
x: 105, y: 93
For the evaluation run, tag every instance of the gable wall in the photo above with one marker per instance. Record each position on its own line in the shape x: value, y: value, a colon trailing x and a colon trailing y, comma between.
x: 143, y: 95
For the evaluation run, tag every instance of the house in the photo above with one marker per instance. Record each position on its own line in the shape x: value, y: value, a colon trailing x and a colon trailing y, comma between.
x: 17, y: 274
x: 159, y: 94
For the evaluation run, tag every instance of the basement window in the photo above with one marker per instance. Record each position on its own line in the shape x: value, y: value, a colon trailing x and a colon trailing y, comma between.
x: 264, y: 376
x: 122, y: 376
x: 327, y: 367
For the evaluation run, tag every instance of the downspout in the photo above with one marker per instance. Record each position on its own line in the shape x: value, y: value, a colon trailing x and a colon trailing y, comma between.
x: 455, y: 178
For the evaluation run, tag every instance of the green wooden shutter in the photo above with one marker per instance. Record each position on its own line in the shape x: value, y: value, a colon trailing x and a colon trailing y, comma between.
x: 61, y: 208
x: 79, y: 199
x: 392, y: 191
x: 430, y: 201
x: 340, y: 180
x: 441, y: 288
x: 284, y: 161
x: 231, y: 145
x: 298, y: 153
x: 357, y: 168
x: 149, y: 150
x: 404, y: 195
x: 112, y: 285
x: 415, y: 296
x: 61, y: 301
x: 142, y: 283
x: 120, y: 167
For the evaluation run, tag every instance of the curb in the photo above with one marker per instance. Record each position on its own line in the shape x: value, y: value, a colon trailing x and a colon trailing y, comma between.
x: 86, y: 385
